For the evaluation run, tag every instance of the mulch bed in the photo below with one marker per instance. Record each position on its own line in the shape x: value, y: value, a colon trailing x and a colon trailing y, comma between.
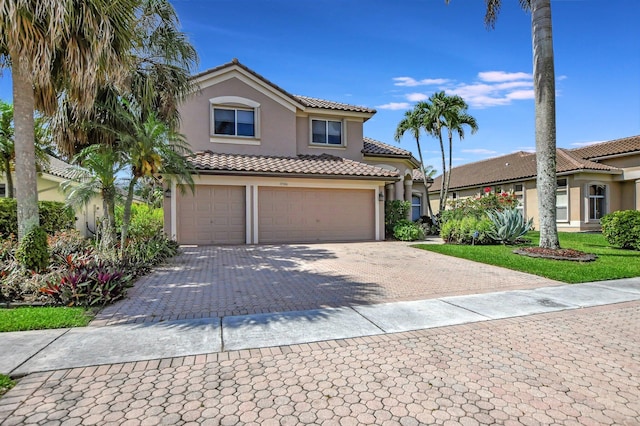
x: 558, y: 254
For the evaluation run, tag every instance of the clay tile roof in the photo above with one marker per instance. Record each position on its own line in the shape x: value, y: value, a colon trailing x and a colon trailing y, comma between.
x: 321, y: 103
x: 374, y: 147
x: 419, y: 177
x: 515, y: 166
x: 58, y: 168
x: 312, y: 165
x: 605, y: 149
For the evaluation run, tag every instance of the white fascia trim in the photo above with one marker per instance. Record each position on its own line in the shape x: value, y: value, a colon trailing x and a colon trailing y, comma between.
x: 287, y: 182
x: 237, y: 72
x: 352, y: 115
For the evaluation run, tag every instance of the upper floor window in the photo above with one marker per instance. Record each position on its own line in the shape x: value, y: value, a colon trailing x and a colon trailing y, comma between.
x: 597, y: 201
x: 562, y: 201
x: 326, y: 132
x: 235, y: 120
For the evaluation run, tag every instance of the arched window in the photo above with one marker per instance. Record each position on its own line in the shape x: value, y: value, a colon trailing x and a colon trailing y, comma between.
x: 234, y: 117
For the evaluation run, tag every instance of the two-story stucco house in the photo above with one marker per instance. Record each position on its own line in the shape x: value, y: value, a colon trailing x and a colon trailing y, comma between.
x: 592, y: 181
x: 279, y: 168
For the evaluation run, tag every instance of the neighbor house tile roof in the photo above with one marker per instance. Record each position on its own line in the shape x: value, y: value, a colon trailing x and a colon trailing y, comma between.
x: 304, y: 100
x: 515, y: 166
x: 605, y: 149
x: 312, y: 165
x: 58, y: 168
x: 377, y: 148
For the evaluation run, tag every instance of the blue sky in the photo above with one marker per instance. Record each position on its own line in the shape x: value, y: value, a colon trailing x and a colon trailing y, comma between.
x: 388, y: 54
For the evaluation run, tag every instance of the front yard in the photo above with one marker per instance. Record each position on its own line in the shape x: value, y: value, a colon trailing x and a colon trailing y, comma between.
x: 612, y: 263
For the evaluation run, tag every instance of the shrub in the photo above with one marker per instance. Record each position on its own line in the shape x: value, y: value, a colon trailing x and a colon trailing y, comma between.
x: 405, y: 230
x: 508, y: 225
x: 67, y: 243
x: 141, y: 255
x: 394, y: 212
x: 145, y: 222
x: 88, y: 282
x: 477, y: 206
x: 469, y: 230
x: 622, y: 229
x: 32, y: 251
x: 54, y: 216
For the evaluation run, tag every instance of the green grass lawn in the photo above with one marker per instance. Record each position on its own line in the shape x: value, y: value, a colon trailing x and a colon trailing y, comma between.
x: 5, y: 384
x: 39, y: 318
x: 611, y: 263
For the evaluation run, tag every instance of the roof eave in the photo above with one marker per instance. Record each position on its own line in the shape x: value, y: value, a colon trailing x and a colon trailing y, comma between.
x: 295, y: 175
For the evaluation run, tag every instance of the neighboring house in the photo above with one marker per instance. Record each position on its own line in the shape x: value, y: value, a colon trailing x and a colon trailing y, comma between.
x: 592, y: 181
x: 49, y: 180
x: 279, y: 168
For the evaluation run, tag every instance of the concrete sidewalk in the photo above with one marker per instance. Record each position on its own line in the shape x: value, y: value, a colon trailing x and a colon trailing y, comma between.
x: 28, y: 352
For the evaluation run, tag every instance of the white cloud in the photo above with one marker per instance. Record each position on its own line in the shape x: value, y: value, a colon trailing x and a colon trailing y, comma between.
x: 417, y: 97
x: 581, y: 144
x: 412, y: 82
x: 521, y: 94
x: 480, y: 151
x: 395, y: 106
x: 500, y: 76
x: 525, y: 149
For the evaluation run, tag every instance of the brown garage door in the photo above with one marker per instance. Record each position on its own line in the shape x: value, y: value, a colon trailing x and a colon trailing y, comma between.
x: 214, y: 215
x: 291, y: 215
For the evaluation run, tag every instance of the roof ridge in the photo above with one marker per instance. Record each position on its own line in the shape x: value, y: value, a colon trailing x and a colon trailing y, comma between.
x: 571, y: 157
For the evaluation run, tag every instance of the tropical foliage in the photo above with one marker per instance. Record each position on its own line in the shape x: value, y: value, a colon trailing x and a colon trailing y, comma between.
x: 508, y: 225
x: 622, y: 229
x: 545, y: 110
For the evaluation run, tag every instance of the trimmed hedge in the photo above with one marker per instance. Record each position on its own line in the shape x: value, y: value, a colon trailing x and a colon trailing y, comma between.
x: 54, y: 216
x: 622, y: 229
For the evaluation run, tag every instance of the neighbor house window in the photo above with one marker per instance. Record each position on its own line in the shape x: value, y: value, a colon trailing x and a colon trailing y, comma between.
x: 326, y: 132
x: 518, y: 191
x: 562, y: 201
x: 416, y: 207
x: 234, y: 122
x: 597, y: 201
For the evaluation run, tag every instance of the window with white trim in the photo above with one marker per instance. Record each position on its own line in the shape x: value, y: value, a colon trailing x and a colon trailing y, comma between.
x: 234, y: 120
x: 326, y: 132
x: 562, y: 201
x: 597, y: 201
x: 416, y: 207
x: 518, y: 191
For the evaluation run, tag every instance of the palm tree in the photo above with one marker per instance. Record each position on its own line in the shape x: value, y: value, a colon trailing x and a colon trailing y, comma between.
x: 7, y: 145
x: 94, y: 172
x: 52, y: 45
x: 545, y: 110
x: 447, y: 111
x: 149, y: 147
x: 412, y: 122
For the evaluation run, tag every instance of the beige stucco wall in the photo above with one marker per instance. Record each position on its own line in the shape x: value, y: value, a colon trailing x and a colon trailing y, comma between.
x: 277, y: 124
x: 623, y: 162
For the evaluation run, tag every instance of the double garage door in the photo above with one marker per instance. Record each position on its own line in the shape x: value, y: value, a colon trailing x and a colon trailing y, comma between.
x: 217, y: 215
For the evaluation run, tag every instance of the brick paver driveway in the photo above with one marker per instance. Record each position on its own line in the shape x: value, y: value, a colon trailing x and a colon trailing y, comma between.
x: 218, y: 281
x: 571, y: 367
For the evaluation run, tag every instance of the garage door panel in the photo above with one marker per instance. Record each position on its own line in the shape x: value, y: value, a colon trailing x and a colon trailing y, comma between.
x: 313, y: 215
x: 213, y: 215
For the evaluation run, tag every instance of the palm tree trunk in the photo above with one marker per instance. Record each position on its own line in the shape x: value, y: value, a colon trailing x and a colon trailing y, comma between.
x: 25, y: 162
x: 108, y: 240
x: 424, y: 177
x: 444, y: 173
x: 446, y: 187
x: 545, y: 110
x: 8, y: 177
x: 126, y: 215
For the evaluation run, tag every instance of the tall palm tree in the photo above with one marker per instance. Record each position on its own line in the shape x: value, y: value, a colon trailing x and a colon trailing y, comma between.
x: 52, y: 45
x: 413, y: 122
x: 149, y: 147
x: 447, y: 112
x: 545, y: 110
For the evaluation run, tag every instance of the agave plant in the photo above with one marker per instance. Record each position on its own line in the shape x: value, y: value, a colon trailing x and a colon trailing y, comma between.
x: 508, y: 225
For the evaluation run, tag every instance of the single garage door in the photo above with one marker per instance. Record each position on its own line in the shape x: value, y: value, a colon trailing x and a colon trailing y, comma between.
x: 214, y: 215
x: 292, y: 215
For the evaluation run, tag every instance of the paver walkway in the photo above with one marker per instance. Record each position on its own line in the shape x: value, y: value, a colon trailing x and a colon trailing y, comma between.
x: 570, y: 367
x: 218, y: 281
